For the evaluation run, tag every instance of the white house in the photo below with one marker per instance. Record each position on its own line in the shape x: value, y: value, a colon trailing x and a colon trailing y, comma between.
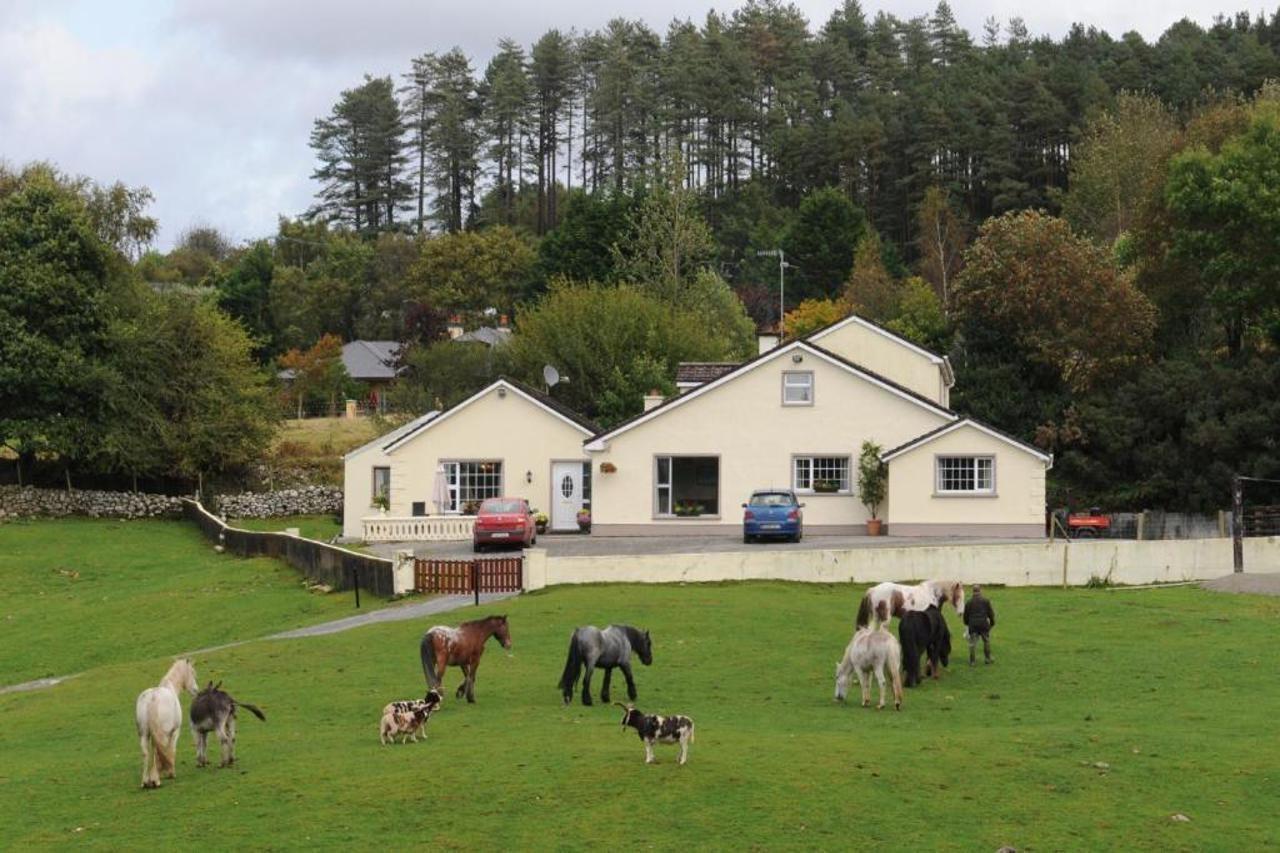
x: 793, y: 417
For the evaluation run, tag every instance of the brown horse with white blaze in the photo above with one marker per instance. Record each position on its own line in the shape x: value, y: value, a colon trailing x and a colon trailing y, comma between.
x: 444, y: 646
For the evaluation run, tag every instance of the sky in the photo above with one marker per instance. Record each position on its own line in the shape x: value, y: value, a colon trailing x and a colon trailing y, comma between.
x: 210, y: 103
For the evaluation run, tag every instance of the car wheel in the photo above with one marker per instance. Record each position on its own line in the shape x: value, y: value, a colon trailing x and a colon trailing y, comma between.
x: 476, y: 547
x: 746, y: 539
x: 797, y: 537
x: 534, y: 540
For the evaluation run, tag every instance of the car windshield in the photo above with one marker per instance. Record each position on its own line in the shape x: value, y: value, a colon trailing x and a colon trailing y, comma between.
x: 498, y: 505
x: 771, y: 499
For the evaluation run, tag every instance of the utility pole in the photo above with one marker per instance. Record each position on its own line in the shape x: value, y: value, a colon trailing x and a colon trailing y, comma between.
x: 1237, y: 522
x: 782, y: 287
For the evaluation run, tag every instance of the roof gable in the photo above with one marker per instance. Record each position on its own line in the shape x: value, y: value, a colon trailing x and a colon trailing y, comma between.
x: 854, y: 319
x: 945, y: 429
x: 389, y: 437
x: 541, y: 401
x: 596, y: 442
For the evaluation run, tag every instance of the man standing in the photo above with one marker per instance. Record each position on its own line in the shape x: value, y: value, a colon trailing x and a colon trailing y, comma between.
x: 979, y: 618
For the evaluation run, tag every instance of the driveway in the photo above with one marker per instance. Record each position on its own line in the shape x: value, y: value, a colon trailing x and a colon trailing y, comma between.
x: 577, y: 545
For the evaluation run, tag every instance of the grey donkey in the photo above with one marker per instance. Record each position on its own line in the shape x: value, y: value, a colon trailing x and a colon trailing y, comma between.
x: 215, y: 711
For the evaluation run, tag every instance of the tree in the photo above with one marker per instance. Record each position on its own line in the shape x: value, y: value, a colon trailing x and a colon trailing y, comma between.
x: 821, y: 241
x: 453, y: 109
x: 317, y: 372
x: 508, y: 97
x: 1059, y: 298
x: 552, y: 74
x: 1228, y: 225
x: 360, y: 147
x: 244, y: 292
x: 941, y: 237
x: 580, y: 248
x: 473, y: 270
x: 444, y: 373
x: 871, y: 292
x: 919, y: 316
x: 813, y: 314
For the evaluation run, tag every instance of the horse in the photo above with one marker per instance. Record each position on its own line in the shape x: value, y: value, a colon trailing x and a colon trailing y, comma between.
x: 886, y: 600
x: 443, y: 646
x: 871, y: 651
x: 158, y: 714
x: 924, y: 631
x: 214, y: 710
x: 591, y: 647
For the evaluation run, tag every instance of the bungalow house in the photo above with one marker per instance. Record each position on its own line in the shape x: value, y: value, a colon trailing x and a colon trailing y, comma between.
x: 795, y: 416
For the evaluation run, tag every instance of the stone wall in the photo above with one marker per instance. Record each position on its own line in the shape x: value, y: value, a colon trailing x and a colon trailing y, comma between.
x: 308, y: 500
x: 29, y: 502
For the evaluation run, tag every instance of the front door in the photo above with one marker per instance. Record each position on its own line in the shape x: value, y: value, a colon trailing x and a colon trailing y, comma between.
x: 566, y: 495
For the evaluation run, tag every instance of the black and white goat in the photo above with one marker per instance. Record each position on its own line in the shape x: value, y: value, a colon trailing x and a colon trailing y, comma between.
x: 653, y: 728
x: 214, y: 710
x: 408, y: 716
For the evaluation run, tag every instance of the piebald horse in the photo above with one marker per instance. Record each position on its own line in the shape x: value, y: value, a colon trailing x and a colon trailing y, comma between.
x: 443, y: 647
x: 158, y: 714
x: 886, y: 600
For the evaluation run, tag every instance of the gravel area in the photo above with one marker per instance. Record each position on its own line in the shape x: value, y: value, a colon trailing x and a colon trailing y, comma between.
x: 1254, y: 584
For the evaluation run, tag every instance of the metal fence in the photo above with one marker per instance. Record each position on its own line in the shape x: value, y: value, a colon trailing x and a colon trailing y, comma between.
x: 335, y: 567
x: 1154, y: 524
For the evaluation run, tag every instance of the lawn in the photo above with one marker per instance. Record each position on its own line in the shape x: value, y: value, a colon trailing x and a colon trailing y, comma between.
x: 1105, y: 713
x: 318, y: 527
x: 316, y: 445
x: 80, y: 593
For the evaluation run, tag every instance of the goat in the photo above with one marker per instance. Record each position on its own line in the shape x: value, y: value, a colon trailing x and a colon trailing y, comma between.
x: 653, y: 728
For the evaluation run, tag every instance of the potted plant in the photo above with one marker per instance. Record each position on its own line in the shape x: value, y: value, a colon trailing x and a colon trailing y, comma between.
x: 584, y: 520
x: 688, y: 508
x: 826, y: 487
x: 470, y: 507
x: 873, y: 482
x: 382, y: 502
x: 608, y: 468
x: 540, y: 521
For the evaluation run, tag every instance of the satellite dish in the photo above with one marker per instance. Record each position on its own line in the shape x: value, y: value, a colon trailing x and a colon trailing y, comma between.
x: 550, y: 375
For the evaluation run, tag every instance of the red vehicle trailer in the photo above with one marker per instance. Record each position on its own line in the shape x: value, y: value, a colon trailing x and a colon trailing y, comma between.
x: 1088, y: 525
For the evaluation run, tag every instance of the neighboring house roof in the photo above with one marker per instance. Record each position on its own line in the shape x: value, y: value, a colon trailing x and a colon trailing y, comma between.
x: 489, y: 335
x: 542, y: 401
x: 366, y: 360
x: 394, y: 434
x: 941, y: 360
x: 927, y: 437
x: 596, y: 441
x: 689, y: 373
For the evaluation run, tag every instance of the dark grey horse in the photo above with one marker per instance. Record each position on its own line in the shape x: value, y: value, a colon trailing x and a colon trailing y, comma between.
x: 591, y: 647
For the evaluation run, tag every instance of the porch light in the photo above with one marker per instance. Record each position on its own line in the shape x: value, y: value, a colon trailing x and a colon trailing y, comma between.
x: 797, y: 358
x: 528, y: 476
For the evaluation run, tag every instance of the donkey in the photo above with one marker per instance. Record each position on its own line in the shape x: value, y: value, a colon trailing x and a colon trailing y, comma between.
x: 215, y: 711
x: 871, y: 651
x: 158, y: 715
x: 591, y: 647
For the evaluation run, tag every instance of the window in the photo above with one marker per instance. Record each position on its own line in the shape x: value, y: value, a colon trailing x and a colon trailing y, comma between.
x: 797, y: 388
x: 381, y: 485
x: 472, y: 482
x: 966, y: 475
x: 419, y: 509
x: 822, y: 474
x: 686, y: 486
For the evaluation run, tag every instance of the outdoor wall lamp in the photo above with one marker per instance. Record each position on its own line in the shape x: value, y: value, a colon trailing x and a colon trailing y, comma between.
x: 502, y: 392
x: 528, y: 476
x: 797, y: 358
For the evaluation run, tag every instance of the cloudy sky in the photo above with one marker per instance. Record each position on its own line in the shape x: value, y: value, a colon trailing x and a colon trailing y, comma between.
x: 210, y: 102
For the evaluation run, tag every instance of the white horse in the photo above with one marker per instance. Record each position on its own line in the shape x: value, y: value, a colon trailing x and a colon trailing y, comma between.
x: 158, y: 714
x: 871, y: 651
x: 886, y: 600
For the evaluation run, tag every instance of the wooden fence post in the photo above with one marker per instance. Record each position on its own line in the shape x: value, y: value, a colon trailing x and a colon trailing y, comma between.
x: 1237, y: 523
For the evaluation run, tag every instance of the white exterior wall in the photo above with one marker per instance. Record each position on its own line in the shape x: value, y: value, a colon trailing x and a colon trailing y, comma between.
x: 892, y: 359
x: 522, y: 435
x: 1016, y: 508
x: 744, y: 423
x: 1033, y: 564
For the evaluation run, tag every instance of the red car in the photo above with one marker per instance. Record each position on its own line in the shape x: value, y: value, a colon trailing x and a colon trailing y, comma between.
x: 504, y: 521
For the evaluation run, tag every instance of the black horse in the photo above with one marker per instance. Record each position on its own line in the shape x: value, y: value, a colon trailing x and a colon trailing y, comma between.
x: 591, y: 647
x: 924, y: 631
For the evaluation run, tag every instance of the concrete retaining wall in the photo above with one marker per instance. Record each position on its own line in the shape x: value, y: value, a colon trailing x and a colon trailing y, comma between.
x: 1035, y: 564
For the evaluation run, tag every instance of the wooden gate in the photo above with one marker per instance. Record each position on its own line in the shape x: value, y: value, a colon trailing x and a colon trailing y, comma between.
x: 463, y: 577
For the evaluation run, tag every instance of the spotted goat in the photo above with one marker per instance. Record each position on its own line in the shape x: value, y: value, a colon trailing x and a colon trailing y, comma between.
x: 653, y: 728
x: 407, y: 717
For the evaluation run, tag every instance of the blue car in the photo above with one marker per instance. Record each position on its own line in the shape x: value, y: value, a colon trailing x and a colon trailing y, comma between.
x: 772, y: 513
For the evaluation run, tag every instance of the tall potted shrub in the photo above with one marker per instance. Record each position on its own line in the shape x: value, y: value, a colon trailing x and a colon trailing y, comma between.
x: 872, y: 484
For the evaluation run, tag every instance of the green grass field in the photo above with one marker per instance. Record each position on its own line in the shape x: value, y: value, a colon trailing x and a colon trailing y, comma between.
x: 319, y: 527
x: 1106, y: 713
x: 81, y: 593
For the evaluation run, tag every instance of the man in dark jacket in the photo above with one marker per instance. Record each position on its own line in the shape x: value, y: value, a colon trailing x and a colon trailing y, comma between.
x: 979, y: 618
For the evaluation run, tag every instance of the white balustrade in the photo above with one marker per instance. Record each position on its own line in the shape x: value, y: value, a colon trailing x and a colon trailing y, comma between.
x: 423, y: 528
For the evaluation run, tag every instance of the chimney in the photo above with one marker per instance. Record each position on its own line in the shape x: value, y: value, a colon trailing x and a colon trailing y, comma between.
x: 766, y: 341
x: 454, y: 328
x: 653, y: 399
x: 502, y: 321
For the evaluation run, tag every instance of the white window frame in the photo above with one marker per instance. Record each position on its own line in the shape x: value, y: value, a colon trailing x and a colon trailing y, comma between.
x: 666, y: 487
x: 455, y: 474
x: 806, y: 385
x: 373, y: 499
x: 809, y: 462
x: 976, y: 463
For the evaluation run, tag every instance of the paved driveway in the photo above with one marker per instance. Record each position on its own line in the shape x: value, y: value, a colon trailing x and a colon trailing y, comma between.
x: 576, y: 545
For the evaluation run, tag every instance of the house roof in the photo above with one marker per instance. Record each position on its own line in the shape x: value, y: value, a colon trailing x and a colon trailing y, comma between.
x: 854, y: 319
x: 929, y: 436
x: 394, y: 434
x: 594, y: 443
x: 488, y: 335
x: 365, y: 360
x: 542, y: 401
x: 697, y: 372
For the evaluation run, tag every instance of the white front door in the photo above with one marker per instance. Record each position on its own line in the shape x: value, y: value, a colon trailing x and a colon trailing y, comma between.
x: 566, y: 495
